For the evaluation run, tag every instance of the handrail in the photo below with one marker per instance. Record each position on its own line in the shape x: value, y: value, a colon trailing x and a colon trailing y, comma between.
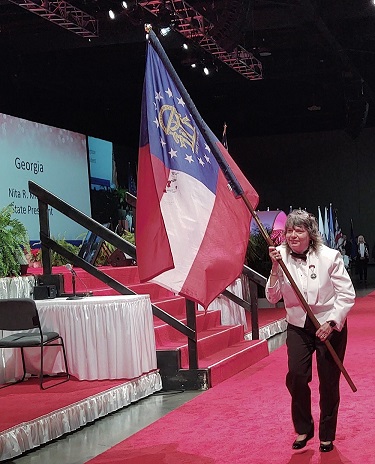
x: 46, y: 198
x: 254, y: 279
x: 254, y: 276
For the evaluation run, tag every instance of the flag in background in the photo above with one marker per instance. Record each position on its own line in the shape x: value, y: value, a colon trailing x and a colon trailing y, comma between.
x: 326, y: 226
x: 338, y: 233
x: 184, y: 203
x: 224, y: 139
x: 321, y: 225
x: 331, y: 226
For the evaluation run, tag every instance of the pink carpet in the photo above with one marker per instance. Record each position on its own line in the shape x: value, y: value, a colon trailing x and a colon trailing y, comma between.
x: 246, y: 419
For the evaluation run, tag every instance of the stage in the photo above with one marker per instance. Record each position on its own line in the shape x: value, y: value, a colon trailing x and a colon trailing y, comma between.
x: 110, y: 342
x: 110, y: 346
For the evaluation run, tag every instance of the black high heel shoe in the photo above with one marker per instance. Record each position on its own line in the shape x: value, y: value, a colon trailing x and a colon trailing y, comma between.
x: 325, y: 448
x: 299, y: 444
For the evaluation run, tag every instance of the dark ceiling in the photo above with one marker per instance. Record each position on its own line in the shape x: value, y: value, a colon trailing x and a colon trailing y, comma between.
x: 319, y: 75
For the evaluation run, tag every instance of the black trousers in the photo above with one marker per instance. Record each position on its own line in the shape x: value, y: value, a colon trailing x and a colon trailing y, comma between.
x: 301, y: 344
x: 362, y: 268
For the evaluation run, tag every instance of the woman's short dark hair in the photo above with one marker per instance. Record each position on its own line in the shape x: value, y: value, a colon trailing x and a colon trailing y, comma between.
x: 300, y: 218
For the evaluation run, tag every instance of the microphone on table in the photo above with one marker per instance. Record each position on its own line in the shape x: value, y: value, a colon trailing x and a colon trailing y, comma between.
x: 74, y: 275
x: 73, y: 272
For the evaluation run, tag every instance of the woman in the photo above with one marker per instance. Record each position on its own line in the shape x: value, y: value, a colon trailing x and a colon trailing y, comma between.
x: 320, y: 275
x: 362, y: 257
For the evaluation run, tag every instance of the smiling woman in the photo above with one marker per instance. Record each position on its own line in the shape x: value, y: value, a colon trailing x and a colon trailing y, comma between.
x: 321, y: 278
x: 297, y: 238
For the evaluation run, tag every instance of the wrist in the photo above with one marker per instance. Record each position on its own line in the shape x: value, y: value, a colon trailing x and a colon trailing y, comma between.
x: 332, y: 324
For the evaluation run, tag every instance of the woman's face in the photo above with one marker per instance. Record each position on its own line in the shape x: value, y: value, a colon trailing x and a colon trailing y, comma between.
x: 297, y: 238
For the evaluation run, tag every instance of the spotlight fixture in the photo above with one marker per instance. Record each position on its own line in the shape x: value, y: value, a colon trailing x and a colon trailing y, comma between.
x: 206, y: 71
x: 314, y: 108
x: 165, y: 31
x: 111, y: 14
x: 185, y: 46
x: 193, y: 65
x: 264, y: 51
x: 124, y: 5
x: 200, y: 30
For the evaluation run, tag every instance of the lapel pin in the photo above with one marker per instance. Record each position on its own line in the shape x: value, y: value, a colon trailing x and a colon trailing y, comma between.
x: 312, y: 270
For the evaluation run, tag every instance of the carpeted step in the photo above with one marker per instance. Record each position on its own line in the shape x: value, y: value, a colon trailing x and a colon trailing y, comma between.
x: 222, y: 350
x: 227, y: 362
x: 107, y: 291
x: 156, y: 292
x: 209, y: 341
x: 128, y: 275
x: 175, y: 306
x: 165, y: 335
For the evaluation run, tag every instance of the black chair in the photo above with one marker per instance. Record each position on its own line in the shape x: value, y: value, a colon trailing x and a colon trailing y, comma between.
x: 22, y: 314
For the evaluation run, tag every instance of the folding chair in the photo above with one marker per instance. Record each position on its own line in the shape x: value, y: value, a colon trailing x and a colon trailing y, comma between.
x: 22, y: 314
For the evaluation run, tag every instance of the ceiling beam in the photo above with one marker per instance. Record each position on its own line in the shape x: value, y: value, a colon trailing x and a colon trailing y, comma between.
x: 64, y: 15
x: 196, y: 27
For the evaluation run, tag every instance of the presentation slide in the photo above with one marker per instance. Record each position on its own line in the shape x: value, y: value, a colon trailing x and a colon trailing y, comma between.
x: 55, y: 159
x: 101, y: 162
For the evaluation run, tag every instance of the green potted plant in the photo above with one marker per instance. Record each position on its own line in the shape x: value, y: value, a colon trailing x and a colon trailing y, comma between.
x: 56, y: 259
x: 14, y: 242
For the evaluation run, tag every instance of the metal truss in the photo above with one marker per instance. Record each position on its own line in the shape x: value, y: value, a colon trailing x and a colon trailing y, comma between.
x: 64, y: 15
x: 195, y: 27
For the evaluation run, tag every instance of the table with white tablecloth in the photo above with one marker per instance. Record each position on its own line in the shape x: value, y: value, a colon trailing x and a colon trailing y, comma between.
x: 106, y: 337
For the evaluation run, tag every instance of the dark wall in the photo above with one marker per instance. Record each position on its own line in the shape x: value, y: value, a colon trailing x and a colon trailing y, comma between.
x: 311, y: 170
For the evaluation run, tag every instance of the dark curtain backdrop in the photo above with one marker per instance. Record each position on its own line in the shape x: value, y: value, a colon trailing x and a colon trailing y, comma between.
x: 314, y: 169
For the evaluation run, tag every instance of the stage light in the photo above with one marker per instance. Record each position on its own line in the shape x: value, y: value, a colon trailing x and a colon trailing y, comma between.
x: 193, y: 65
x: 185, y: 46
x: 165, y: 31
x: 111, y: 14
x: 264, y: 51
x: 124, y: 5
x: 206, y: 71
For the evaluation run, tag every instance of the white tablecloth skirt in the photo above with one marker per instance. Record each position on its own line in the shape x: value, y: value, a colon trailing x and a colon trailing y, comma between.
x: 231, y: 313
x: 105, y: 338
x: 17, y: 287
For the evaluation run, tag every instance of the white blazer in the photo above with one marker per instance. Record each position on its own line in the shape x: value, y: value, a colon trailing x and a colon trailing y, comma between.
x: 330, y: 295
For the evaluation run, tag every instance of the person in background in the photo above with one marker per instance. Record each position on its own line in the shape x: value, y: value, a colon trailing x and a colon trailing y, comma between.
x: 362, y: 257
x: 346, y: 245
x: 346, y: 260
x: 320, y: 275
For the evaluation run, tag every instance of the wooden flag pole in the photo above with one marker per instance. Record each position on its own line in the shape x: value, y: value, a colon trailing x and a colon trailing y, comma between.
x: 234, y: 184
x: 301, y: 298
